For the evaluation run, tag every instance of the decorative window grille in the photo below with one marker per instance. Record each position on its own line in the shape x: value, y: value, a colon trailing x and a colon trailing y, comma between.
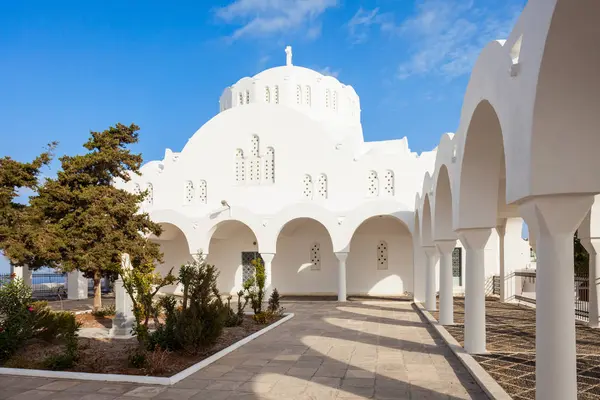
x: 327, y: 95
x: 247, y: 97
x: 255, y: 145
x: 150, y: 195
x: 203, y: 192
x: 382, y: 255
x: 372, y: 184
x: 322, y: 186
x: 189, y: 192
x: 267, y: 95
x: 276, y: 94
x: 307, y: 95
x: 298, y: 94
x: 308, y: 187
x: 240, y: 98
x: 240, y: 167
x: 457, y: 265
x: 315, y: 257
x: 269, y: 175
x: 388, y: 183
x: 248, y: 268
x: 334, y: 101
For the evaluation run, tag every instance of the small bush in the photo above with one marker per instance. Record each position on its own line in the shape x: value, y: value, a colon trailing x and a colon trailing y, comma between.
x: 236, y: 318
x: 105, y: 311
x: 157, y: 361
x: 274, y: 306
x: 137, y: 358
x: 16, y: 317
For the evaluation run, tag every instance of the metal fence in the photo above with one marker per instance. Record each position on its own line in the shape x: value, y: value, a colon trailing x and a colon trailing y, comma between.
x: 580, y: 291
x: 496, y: 285
x: 44, y: 285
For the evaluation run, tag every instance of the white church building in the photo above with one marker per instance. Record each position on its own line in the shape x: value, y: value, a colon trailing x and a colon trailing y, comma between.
x: 283, y: 171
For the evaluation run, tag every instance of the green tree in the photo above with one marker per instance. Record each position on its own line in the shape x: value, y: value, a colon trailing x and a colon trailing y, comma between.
x: 18, y: 231
x: 88, y: 222
x: 581, y: 261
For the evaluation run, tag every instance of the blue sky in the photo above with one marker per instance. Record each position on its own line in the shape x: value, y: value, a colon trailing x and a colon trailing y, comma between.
x: 68, y: 67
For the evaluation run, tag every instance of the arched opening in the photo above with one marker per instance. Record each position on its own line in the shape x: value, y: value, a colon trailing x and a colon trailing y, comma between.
x: 176, y: 251
x: 304, y: 262
x: 233, y: 245
x: 380, y: 262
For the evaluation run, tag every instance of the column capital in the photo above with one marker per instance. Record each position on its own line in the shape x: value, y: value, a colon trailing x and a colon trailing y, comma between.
x: 445, y: 246
x: 592, y: 245
x: 267, y: 257
x: 429, y: 250
x: 341, y: 256
x: 474, y: 238
x: 556, y: 214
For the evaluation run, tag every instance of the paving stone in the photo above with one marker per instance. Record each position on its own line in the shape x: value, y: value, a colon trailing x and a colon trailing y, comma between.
x: 59, y: 385
x: 145, y: 392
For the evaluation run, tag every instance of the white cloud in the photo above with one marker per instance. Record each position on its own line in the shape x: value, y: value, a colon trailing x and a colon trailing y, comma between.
x: 272, y: 17
x: 443, y: 37
x: 446, y: 36
x: 327, y: 71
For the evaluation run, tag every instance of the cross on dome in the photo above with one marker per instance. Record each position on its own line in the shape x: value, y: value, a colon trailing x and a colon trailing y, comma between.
x: 288, y: 59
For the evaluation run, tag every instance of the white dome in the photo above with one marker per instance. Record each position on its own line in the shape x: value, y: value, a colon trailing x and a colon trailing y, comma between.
x: 319, y: 96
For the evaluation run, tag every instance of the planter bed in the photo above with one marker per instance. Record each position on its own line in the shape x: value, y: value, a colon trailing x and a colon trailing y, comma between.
x: 107, y: 359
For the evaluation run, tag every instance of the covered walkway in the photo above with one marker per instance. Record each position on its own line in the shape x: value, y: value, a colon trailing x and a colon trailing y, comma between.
x: 329, y: 350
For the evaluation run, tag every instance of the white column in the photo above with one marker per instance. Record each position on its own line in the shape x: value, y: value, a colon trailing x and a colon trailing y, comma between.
x: 124, y: 319
x: 554, y: 220
x: 511, y: 257
x: 342, y: 275
x: 475, y: 241
x: 430, y: 299
x: 419, y: 269
x: 592, y: 245
x: 268, y: 259
x: 445, y: 248
x: 77, y: 286
x: 22, y: 273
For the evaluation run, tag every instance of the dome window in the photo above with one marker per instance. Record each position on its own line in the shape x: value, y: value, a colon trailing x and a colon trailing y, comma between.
x: 150, y: 196
x: 188, y: 193
x: 203, y: 193
x: 307, y: 95
x: 372, y: 184
x: 322, y: 186
x: 240, y: 98
x: 247, y: 97
x: 267, y: 95
x: 276, y: 94
x: 240, y: 167
x: 388, y: 183
x: 269, y: 175
x: 298, y: 95
x: 327, y: 96
x: 307, y: 187
x: 334, y: 102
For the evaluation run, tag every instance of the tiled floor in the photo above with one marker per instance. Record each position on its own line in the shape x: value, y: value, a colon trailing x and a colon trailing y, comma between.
x: 329, y: 350
x: 510, y: 330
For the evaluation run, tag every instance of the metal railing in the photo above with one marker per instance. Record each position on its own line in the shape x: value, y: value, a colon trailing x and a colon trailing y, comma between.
x: 526, y: 291
x: 44, y: 285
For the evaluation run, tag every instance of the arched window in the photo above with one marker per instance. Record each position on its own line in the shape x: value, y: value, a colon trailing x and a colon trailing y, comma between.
x: 137, y: 190
x: 150, y: 195
x: 372, y: 184
x: 388, y: 183
x: 267, y: 95
x: 269, y: 175
x: 298, y: 95
x: 247, y: 97
x: 203, y: 192
x: 240, y: 98
x: 334, y: 102
x: 322, y: 186
x: 315, y: 257
x: 188, y: 192
x: 276, y: 94
x: 240, y: 168
x: 382, y: 255
x: 307, y: 185
x: 307, y: 95
x: 255, y: 160
x: 327, y: 96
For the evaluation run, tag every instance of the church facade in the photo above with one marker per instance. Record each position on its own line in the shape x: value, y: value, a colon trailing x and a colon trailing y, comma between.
x: 283, y: 171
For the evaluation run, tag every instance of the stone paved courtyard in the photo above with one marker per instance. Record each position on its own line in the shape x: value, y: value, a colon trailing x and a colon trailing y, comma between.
x: 355, y: 350
x: 510, y: 332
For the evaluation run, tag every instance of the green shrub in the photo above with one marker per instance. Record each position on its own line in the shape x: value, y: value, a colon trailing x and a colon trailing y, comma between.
x: 137, y: 358
x: 236, y: 318
x: 16, y: 317
x: 255, y: 286
x: 105, y: 311
x: 274, y: 307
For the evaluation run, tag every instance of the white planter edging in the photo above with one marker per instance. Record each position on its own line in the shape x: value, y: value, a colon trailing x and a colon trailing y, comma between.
x: 484, y: 380
x: 151, y: 380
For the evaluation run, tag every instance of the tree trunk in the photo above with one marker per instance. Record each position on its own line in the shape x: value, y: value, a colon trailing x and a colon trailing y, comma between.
x: 97, y: 291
